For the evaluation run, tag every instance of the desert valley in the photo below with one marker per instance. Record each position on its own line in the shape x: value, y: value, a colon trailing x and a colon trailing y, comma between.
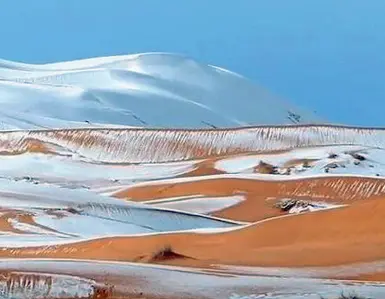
x: 155, y: 176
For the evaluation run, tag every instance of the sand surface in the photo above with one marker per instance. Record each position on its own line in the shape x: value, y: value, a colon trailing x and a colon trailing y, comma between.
x: 94, y: 194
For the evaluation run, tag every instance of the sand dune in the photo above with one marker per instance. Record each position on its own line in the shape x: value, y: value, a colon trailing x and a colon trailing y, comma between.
x: 156, y: 145
x: 261, y: 193
x: 137, y: 176
x: 285, y: 242
x: 137, y: 281
x: 98, y: 220
x: 145, y: 90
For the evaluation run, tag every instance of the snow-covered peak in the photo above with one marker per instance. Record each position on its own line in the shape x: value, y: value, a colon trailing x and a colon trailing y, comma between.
x: 142, y: 90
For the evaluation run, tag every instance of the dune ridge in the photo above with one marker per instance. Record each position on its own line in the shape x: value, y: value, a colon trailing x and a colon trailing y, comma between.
x: 139, y: 145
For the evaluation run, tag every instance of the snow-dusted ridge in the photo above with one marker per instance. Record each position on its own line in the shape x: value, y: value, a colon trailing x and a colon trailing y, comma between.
x: 139, y: 145
x: 148, y: 90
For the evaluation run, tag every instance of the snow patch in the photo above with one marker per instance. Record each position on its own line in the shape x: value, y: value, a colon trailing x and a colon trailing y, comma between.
x: 202, y: 205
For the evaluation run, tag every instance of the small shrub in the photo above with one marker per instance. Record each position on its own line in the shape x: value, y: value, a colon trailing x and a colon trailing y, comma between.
x: 358, y: 156
x: 350, y: 296
x: 266, y: 168
x: 73, y: 210
x: 99, y: 292
x: 288, y: 171
x: 286, y: 204
x: 333, y: 165
x: 165, y: 253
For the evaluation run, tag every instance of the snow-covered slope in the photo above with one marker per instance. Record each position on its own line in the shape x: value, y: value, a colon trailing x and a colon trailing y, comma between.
x: 142, y: 145
x: 143, y: 90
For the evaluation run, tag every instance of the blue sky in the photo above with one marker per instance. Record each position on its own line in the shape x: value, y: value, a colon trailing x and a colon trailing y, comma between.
x: 324, y: 55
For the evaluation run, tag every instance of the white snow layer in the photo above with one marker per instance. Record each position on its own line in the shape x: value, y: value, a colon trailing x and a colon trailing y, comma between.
x: 65, y: 169
x: 151, y: 89
x: 336, y: 159
x: 91, y: 216
x: 202, y: 205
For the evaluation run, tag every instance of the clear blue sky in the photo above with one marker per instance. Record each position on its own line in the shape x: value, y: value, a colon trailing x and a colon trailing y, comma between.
x: 326, y: 55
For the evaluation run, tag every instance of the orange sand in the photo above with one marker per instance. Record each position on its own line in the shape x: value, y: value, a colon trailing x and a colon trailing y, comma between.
x: 342, y: 236
x: 27, y: 145
x: 22, y: 217
x: 256, y: 206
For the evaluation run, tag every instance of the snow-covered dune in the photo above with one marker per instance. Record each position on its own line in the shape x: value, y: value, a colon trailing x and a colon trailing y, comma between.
x: 141, y: 145
x: 157, y: 158
x: 43, y: 214
x: 144, y: 90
